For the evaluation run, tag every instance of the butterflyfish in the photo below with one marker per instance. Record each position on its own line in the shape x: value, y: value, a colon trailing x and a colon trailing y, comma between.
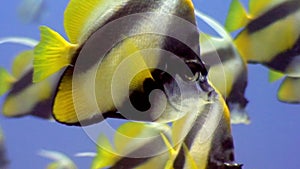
x: 24, y: 97
x: 227, y: 69
x: 270, y: 36
x: 270, y: 33
x: 100, y: 77
x: 200, y: 140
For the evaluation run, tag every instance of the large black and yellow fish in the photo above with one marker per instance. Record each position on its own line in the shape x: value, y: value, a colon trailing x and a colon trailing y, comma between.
x: 85, y: 93
x: 270, y: 35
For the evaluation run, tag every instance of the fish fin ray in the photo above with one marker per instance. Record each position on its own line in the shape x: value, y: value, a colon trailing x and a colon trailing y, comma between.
x: 77, y: 16
x: 51, y: 54
x: 63, y: 108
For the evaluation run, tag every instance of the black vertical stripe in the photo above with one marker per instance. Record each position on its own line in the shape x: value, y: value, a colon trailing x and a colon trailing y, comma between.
x: 99, y: 38
x: 24, y: 82
x: 283, y: 60
x: 281, y: 11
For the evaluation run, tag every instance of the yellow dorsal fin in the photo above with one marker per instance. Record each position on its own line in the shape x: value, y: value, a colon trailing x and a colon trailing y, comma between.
x: 81, y: 18
x: 22, y: 62
x: 274, y: 75
x: 237, y: 16
x: 6, y: 80
x: 105, y: 156
x: 51, y: 54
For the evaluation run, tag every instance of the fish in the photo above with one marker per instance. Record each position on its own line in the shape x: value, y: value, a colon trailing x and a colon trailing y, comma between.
x: 201, y: 139
x: 266, y: 21
x: 221, y: 55
x: 90, y: 23
x: 60, y: 160
x: 18, y: 87
x: 256, y: 41
x: 132, y: 139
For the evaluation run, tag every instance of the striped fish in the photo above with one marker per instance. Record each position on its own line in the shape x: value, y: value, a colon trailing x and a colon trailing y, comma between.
x: 200, y: 140
x: 23, y: 96
x: 227, y: 69
x: 92, y: 40
x: 270, y: 36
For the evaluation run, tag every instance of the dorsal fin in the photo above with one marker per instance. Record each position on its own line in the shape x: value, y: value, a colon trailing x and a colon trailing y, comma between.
x: 21, y: 63
x: 81, y: 18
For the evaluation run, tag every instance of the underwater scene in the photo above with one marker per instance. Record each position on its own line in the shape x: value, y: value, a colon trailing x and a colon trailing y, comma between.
x: 150, y: 84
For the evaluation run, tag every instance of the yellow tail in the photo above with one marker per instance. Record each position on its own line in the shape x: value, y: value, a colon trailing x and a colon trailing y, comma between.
x: 51, y: 54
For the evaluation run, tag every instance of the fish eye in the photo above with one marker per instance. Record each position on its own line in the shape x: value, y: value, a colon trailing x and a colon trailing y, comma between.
x: 194, y: 78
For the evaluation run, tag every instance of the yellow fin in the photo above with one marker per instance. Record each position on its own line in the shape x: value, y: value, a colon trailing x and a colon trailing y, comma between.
x: 274, y: 75
x: 237, y: 16
x: 81, y: 18
x: 22, y: 62
x: 190, y: 162
x: 6, y: 81
x: 173, y: 151
x: 105, y: 156
x: 289, y: 90
x: 63, y: 108
x: 51, y: 54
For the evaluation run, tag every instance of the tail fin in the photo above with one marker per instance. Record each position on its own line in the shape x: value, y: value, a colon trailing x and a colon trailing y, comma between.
x: 237, y: 16
x: 6, y: 81
x: 105, y: 156
x: 274, y: 75
x: 51, y: 54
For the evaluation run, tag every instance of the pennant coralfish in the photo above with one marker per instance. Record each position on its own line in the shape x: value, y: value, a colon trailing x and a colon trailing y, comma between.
x: 84, y: 94
x: 227, y: 69
x: 200, y: 140
x: 24, y: 97
x: 271, y: 33
x: 270, y: 36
